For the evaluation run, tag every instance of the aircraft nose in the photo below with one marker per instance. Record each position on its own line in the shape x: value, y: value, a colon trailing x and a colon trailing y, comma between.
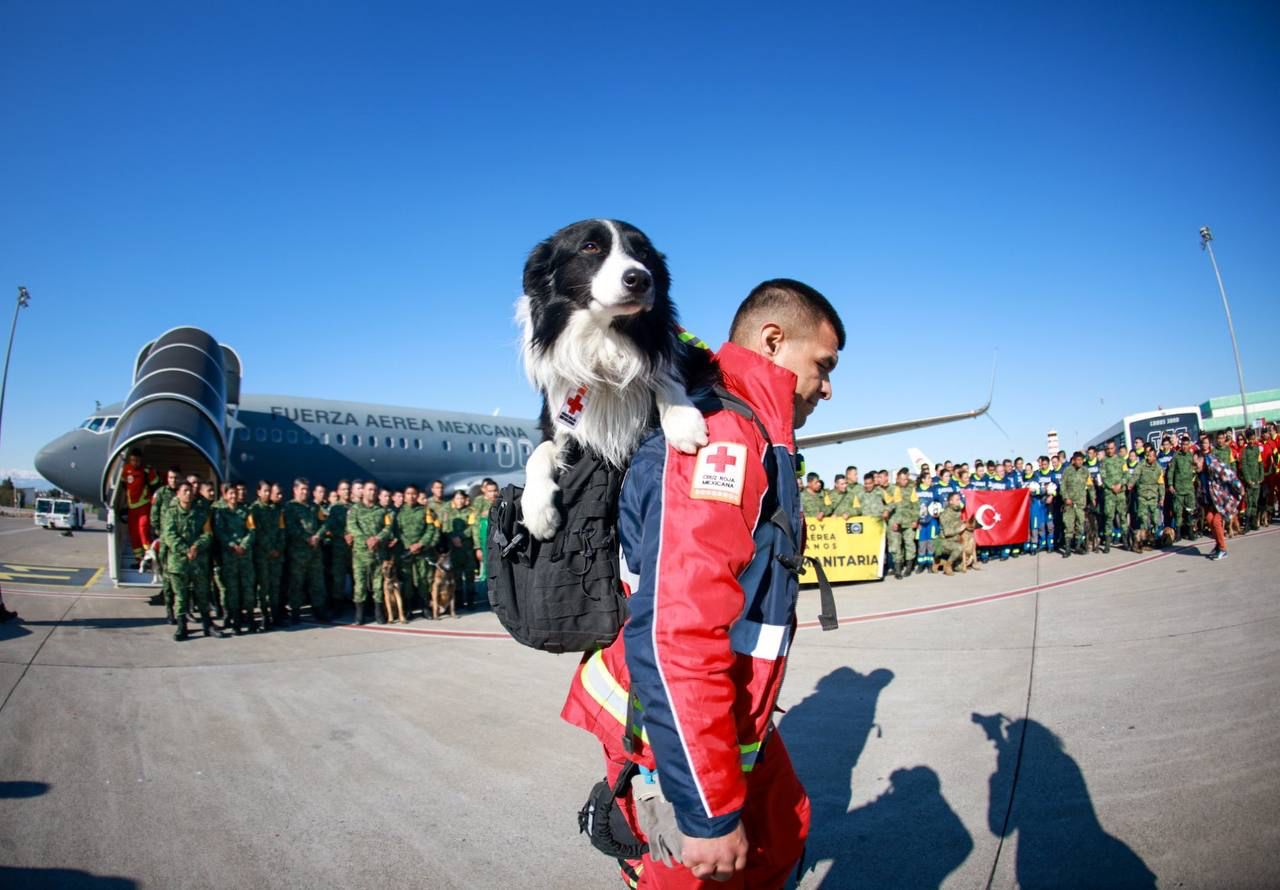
x: 57, y: 462
x: 44, y: 462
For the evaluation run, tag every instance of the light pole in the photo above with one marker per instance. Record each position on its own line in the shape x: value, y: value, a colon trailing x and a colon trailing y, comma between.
x: 24, y: 299
x: 1206, y: 243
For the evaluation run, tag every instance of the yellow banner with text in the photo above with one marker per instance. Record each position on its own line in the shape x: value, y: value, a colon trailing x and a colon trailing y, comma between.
x: 849, y: 549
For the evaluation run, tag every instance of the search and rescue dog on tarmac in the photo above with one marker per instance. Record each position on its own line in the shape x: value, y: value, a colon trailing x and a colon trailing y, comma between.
x: 1232, y: 525
x: 391, y: 592
x: 442, y: 588
x: 602, y: 345
x: 969, y: 547
x: 1092, y: 543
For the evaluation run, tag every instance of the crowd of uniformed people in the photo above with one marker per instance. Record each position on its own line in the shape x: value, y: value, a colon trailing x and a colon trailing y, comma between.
x: 1093, y: 500
x: 255, y: 560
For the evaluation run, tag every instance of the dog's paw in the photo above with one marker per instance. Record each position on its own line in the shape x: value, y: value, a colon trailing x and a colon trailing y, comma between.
x: 685, y: 428
x: 541, y: 517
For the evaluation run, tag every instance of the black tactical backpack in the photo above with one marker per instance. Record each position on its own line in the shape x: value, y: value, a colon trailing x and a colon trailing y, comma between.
x: 565, y: 595
x: 562, y: 595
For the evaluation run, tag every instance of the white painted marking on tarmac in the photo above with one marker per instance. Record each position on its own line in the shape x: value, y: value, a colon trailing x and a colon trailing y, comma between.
x: 22, y: 531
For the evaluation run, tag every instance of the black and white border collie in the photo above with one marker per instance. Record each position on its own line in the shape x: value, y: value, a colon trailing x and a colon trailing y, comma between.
x: 601, y: 343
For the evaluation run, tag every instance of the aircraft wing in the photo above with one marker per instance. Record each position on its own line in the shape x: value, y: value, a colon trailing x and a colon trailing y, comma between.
x: 804, y: 443
x: 885, y: 429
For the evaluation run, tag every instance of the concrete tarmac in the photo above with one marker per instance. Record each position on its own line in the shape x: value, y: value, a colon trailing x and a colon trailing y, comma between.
x: 1086, y: 722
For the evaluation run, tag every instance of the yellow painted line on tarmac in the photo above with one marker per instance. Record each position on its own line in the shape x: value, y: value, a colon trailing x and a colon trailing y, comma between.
x: 58, y: 576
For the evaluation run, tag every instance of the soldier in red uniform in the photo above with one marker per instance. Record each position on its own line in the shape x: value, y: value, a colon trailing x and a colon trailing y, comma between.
x: 138, y: 483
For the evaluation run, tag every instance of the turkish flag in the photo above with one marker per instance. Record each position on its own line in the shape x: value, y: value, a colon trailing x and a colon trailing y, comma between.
x: 1003, y: 517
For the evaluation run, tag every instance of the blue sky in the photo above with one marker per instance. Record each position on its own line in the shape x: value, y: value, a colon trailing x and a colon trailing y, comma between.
x: 346, y: 193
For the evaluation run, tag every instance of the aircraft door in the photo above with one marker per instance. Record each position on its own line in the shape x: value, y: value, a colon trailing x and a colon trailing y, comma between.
x: 506, y: 452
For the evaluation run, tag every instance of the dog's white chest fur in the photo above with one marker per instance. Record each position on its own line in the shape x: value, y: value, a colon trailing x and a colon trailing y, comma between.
x: 620, y: 384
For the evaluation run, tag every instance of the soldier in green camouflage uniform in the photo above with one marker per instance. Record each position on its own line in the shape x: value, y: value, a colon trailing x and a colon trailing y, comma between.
x: 856, y: 489
x: 1251, y: 475
x: 1114, y: 494
x: 1076, y: 485
x: 480, y: 509
x: 235, y: 530
x: 813, y: 500
x: 1222, y: 451
x: 217, y: 591
x: 268, y: 552
x: 418, y: 533
x: 187, y: 535
x: 871, y: 501
x: 1149, y: 488
x: 368, y: 531
x: 1181, y: 482
x: 203, y: 501
x: 438, y: 503
x: 841, y: 499
x: 335, y: 526
x: 161, y: 501
x: 302, y: 528
x: 456, y: 526
x: 904, y: 518
x: 947, y: 547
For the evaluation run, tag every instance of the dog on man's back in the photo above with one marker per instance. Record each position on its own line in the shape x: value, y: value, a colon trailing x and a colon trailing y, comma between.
x: 602, y: 344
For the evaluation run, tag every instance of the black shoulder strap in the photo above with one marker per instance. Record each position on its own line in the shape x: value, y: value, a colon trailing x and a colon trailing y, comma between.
x: 719, y: 397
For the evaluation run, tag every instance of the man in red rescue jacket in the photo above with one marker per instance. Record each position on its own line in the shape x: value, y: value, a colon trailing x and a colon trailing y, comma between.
x: 138, y: 482
x: 712, y: 609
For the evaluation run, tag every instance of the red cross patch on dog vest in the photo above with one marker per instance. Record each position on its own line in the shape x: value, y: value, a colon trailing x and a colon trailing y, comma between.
x: 571, y: 410
x: 719, y: 472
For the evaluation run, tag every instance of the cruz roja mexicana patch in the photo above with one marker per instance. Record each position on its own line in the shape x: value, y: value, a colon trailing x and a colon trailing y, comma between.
x: 719, y: 472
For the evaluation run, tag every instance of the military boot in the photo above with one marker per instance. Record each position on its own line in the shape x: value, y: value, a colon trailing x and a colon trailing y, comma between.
x: 250, y: 622
x: 911, y: 567
x: 378, y: 615
x: 359, y: 614
x: 168, y: 613
x: 181, y: 633
x: 266, y: 620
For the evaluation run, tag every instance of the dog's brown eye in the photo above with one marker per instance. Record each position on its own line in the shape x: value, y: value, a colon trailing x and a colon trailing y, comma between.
x: 591, y: 248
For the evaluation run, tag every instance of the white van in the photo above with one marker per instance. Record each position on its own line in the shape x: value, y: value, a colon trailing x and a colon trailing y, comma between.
x: 59, y: 513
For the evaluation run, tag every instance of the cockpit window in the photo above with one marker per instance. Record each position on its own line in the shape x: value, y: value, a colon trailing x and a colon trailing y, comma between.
x: 95, y: 424
x: 110, y: 424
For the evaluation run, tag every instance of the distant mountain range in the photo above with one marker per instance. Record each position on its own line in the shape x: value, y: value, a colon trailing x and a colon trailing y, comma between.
x: 26, y: 478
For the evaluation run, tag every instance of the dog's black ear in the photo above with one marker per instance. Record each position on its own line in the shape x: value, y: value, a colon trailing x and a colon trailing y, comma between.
x: 537, y: 269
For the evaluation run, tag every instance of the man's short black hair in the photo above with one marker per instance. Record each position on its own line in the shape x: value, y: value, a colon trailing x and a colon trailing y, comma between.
x: 786, y: 295
x: 811, y: 477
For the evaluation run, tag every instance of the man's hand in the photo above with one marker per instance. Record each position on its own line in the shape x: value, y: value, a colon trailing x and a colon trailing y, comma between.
x: 415, y: 549
x: 820, y: 517
x: 1068, y: 502
x: 191, y: 552
x: 314, y: 540
x: 716, y: 858
x: 350, y: 539
x: 275, y: 554
x: 371, y: 542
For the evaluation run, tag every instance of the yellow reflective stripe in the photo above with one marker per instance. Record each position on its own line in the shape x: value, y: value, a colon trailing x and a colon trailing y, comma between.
x: 607, y: 692
x: 747, y: 755
x: 686, y: 337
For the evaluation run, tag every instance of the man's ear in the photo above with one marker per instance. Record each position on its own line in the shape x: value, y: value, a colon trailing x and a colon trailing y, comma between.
x: 771, y: 337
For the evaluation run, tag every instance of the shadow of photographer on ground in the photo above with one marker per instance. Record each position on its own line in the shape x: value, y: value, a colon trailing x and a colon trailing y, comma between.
x: 1061, y: 843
